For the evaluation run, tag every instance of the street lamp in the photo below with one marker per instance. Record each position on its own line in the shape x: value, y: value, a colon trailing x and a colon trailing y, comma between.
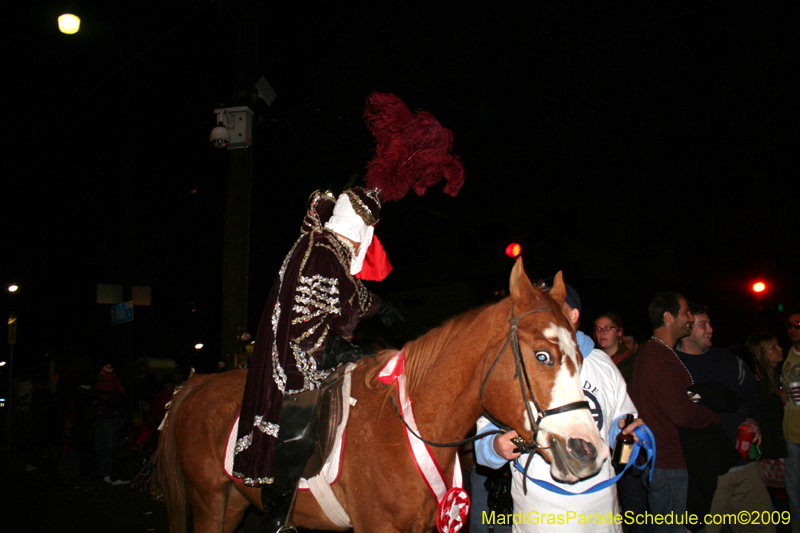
x: 12, y: 288
x: 69, y: 23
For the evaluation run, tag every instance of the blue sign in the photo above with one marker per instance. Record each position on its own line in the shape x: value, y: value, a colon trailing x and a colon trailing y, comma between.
x: 121, y: 313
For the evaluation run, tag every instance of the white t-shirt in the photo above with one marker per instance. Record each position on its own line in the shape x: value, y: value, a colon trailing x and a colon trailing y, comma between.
x: 604, y: 388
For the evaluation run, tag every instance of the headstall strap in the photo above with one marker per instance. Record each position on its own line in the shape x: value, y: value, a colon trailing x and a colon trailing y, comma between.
x: 521, y: 374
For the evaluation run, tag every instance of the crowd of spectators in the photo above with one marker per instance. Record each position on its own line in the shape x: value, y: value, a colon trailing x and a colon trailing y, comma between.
x: 97, y: 430
x: 699, y: 401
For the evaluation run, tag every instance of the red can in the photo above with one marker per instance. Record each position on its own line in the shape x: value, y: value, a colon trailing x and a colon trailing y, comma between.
x: 744, y: 439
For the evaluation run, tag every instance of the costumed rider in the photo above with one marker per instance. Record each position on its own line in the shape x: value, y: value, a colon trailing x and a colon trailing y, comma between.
x: 318, y: 299
x: 605, y: 389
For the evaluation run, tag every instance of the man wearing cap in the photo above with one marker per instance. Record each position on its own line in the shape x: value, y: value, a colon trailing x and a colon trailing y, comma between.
x: 305, y: 332
x: 604, y: 388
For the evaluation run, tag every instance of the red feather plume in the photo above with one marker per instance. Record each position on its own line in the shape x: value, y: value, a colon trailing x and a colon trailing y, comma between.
x: 413, y: 150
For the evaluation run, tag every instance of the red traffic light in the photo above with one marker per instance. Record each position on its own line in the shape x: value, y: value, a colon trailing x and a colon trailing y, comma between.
x: 513, y: 250
x: 759, y: 287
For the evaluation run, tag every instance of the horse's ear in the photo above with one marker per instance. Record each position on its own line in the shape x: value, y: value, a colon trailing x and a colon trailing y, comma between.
x: 559, y: 290
x: 520, y: 286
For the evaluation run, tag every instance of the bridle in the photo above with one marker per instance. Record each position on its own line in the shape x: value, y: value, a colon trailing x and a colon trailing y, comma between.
x: 521, y: 375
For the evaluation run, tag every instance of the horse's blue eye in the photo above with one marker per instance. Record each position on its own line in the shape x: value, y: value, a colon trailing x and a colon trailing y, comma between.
x: 544, y: 357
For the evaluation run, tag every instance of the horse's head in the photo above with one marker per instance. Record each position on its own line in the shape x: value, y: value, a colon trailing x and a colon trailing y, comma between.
x: 568, y: 439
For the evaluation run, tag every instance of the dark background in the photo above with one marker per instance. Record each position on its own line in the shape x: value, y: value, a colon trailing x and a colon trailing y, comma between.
x: 637, y: 147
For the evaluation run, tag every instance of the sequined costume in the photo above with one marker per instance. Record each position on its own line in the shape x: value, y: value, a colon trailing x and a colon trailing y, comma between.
x: 314, y: 296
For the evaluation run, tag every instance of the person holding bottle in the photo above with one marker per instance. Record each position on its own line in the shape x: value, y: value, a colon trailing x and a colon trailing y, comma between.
x: 606, y: 392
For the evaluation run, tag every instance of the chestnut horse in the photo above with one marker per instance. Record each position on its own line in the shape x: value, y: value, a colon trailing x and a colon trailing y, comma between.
x: 454, y: 374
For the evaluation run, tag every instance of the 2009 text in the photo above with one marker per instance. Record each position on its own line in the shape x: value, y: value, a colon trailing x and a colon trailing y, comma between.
x: 630, y: 518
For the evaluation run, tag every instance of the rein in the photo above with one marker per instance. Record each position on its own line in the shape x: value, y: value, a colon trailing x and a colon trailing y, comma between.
x: 521, y: 375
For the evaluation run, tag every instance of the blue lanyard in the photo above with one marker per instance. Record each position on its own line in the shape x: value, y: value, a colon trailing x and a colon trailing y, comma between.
x: 646, y: 442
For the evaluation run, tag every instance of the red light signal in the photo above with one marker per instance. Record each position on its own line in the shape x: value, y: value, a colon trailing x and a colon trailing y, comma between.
x: 513, y: 250
x: 759, y: 287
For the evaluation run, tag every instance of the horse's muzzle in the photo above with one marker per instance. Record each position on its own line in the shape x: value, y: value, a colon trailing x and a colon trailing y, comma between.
x: 581, y: 450
x: 573, y: 458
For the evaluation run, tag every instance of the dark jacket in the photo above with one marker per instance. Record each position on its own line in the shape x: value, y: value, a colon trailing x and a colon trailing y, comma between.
x: 708, y: 451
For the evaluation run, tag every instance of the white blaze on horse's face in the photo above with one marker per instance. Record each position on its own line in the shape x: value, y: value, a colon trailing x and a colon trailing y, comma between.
x: 572, y: 428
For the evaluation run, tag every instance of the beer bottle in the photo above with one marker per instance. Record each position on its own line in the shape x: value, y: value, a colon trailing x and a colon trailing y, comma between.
x: 624, y: 444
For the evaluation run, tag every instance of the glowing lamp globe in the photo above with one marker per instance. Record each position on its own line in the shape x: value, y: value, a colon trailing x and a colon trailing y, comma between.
x: 69, y: 24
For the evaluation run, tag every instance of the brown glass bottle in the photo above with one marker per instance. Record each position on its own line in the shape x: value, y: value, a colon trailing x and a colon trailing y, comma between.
x: 624, y: 445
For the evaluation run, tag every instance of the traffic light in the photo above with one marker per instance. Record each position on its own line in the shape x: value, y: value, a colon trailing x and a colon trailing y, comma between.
x: 513, y: 250
x: 759, y: 287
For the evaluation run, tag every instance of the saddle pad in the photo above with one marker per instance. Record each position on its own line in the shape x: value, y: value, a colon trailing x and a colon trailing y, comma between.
x: 330, y: 471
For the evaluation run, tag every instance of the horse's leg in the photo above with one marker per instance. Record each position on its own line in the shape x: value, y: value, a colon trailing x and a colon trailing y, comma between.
x: 234, y: 510
x: 208, y: 507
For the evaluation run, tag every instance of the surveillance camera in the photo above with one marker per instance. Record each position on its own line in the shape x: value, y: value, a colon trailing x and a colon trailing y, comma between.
x: 219, y: 136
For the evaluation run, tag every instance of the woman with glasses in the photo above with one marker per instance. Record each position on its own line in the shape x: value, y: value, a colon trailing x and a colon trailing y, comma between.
x: 608, y: 333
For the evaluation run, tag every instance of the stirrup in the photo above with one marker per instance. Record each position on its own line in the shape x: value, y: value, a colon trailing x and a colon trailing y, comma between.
x: 284, y: 529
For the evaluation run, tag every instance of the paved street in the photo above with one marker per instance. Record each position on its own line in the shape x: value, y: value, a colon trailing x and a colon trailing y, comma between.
x: 33, y: 501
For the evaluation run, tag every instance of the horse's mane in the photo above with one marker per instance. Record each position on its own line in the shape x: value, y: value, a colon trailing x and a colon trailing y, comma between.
x: 421, y: 354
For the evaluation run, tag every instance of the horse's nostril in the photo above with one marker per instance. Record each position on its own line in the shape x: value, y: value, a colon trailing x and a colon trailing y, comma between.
x: 581, y: 450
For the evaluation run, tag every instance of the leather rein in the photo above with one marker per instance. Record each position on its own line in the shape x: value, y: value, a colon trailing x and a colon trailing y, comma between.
x: 521, y: 375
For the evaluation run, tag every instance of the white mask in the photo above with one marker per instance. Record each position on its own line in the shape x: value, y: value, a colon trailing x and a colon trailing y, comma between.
x: 346, y: 222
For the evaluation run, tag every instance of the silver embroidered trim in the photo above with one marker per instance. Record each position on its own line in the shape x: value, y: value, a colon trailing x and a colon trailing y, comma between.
x: 288, y: 257
x: 250, y: 482
x: 364, y: 298
x: 314, y: 294
x: 243, y: 443
x: 276, y: 315
x: 321, y: 339
x: 347, y: 244
x: 278, y: 375
x: 329, y: 285
x: 306, y: 334
x: 265, y: 426
x: 307, y: 365
x: 306, y: 318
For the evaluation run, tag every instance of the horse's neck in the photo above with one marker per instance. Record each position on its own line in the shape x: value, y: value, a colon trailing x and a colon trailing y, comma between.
x: 447, y: 401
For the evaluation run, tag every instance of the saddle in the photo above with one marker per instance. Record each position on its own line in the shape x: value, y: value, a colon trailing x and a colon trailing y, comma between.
x: 330, y: 410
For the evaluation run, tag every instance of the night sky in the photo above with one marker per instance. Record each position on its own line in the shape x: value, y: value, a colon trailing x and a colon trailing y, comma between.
x: 636, y: 147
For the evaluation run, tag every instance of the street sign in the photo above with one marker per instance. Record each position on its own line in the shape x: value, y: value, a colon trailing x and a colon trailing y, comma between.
x: 108, y: 293
x: 121, y: 313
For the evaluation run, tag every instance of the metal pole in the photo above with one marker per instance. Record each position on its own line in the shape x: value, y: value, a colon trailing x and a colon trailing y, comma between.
x: 236, y: 253
x: 9, y: 403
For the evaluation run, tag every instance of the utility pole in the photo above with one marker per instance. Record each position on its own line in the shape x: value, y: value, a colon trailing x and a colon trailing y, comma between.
x: 12, y: 340
x: 236, y: 252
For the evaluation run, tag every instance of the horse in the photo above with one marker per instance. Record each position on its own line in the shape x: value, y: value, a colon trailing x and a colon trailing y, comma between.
x: 454, y: 374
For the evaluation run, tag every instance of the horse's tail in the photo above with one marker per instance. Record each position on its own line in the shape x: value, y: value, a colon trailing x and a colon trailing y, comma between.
x: 169, y: 469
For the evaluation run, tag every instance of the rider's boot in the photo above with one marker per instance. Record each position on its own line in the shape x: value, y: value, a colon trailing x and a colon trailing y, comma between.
x: 297, y: 438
